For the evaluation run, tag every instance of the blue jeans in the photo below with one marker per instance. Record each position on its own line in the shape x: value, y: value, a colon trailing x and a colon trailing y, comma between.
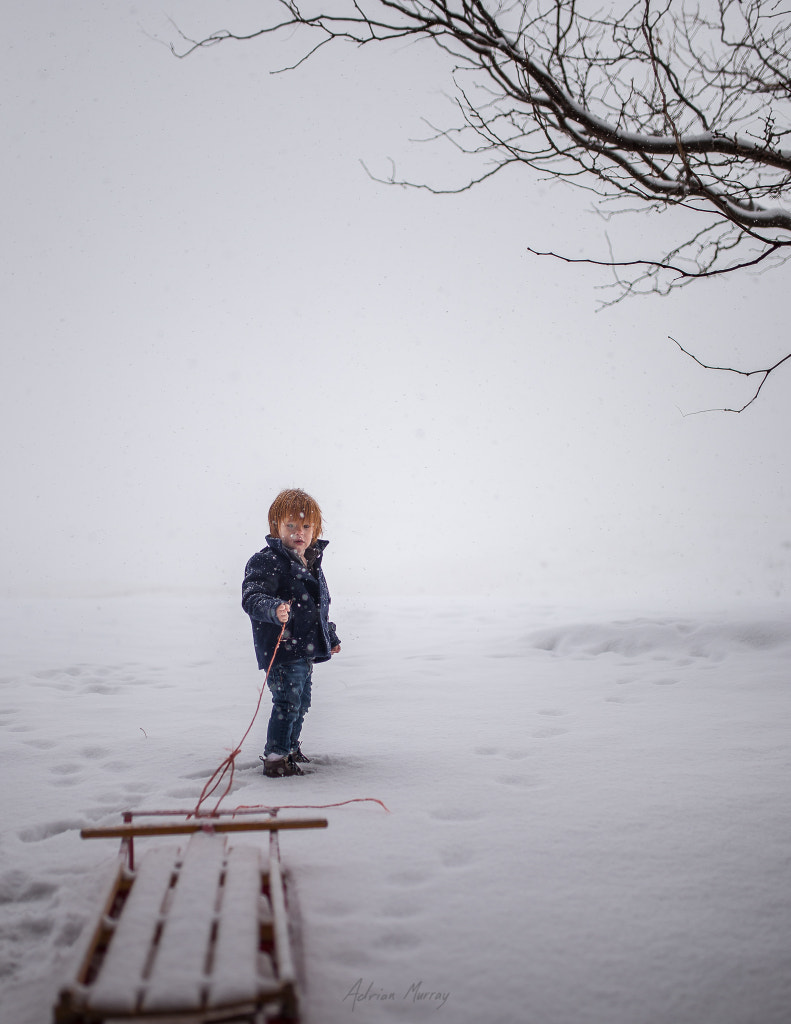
x: 290, y: 684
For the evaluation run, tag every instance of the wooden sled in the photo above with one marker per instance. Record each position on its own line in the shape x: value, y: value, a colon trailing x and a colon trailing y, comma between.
x: 198, y: 933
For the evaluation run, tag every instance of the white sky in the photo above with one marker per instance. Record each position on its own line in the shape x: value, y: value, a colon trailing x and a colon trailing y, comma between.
x: 208, y: 300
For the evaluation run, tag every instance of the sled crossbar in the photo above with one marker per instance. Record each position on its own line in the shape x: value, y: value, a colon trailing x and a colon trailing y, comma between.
x: 201, y: 825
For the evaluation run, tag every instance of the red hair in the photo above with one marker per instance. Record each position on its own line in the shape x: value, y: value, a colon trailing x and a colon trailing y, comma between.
x: 294, y: 502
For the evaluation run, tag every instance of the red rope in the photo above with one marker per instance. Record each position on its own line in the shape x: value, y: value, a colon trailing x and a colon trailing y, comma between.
x: 254, y: 809
x: 228, y: 766
x: 257, y: 808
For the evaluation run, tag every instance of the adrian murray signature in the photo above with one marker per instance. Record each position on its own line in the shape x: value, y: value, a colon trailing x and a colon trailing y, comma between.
x: 360, y: 992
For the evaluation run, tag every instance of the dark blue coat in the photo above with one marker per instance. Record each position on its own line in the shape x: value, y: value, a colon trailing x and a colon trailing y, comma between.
x: 274, y: 575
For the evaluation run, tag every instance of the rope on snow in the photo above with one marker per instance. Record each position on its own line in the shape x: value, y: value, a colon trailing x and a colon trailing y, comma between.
x: 228, y: 767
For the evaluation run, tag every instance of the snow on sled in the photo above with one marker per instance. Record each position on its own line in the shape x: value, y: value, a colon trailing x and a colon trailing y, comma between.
x: 197, y: 933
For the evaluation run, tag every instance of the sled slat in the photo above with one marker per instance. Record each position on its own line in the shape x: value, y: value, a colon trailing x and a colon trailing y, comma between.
x: 235, y: 973
x: 118, y: 986
x: 178, y: 978
x: 285, y: 964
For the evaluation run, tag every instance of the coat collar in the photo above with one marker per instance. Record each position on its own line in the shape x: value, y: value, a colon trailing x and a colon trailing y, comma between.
x: 318, y: 546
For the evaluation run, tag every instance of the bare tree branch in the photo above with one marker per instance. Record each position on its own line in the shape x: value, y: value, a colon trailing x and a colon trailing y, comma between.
x: 665, y: 266
x: 763, y: 374
x: 652, y: 105
x: 664, y: 104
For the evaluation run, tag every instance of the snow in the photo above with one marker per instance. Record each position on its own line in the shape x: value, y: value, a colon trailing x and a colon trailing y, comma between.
x: 588, y: 808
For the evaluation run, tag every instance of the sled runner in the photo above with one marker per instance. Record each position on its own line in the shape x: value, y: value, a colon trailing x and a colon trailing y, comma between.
x: 196, y: 933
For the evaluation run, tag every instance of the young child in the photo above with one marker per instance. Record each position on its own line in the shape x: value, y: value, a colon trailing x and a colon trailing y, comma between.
x: 284, y: 583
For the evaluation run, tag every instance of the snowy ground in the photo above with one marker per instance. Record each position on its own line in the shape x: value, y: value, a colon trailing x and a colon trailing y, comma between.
x: 589, y: 813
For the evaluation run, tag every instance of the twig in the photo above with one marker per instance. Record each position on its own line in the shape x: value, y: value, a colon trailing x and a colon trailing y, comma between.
x: 764, y: 374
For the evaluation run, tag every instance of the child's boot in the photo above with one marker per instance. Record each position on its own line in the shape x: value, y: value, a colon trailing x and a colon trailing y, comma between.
x: 277, y: 767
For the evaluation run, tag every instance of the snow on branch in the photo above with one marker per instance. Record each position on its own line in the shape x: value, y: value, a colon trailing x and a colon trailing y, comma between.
x: 670, y: 104
x: 650, y: 104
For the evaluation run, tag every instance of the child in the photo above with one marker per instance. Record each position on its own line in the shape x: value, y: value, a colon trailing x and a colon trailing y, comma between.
x: 284, y: 583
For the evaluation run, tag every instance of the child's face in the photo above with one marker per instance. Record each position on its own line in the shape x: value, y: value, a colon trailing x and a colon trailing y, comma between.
x: 296, y: 533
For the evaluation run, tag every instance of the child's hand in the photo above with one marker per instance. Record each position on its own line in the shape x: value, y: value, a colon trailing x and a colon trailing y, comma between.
x: 283, y: 611
x: 336, y: 649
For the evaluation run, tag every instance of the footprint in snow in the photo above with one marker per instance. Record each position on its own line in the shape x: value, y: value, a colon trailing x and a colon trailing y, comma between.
x: 513, y: 779
x: 52, y: 673
x: 410, y: 876
x: 37, y: 744
x: 516, y: 781
x: 102, y: 688
x: 95, y: 753
x: 63, y: 687
x: 59, y: 778
x: 29, y: 927
x: 19, y: 887
x: 548, y: 733
x: 200, y: 776
x: 185, y: 794
x: 398, y: 939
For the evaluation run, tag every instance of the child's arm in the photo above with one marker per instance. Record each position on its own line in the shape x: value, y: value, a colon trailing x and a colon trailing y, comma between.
x: 260, y: 592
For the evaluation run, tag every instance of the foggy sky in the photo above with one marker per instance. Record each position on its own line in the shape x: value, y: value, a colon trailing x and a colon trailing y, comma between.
x: 207, y: 299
